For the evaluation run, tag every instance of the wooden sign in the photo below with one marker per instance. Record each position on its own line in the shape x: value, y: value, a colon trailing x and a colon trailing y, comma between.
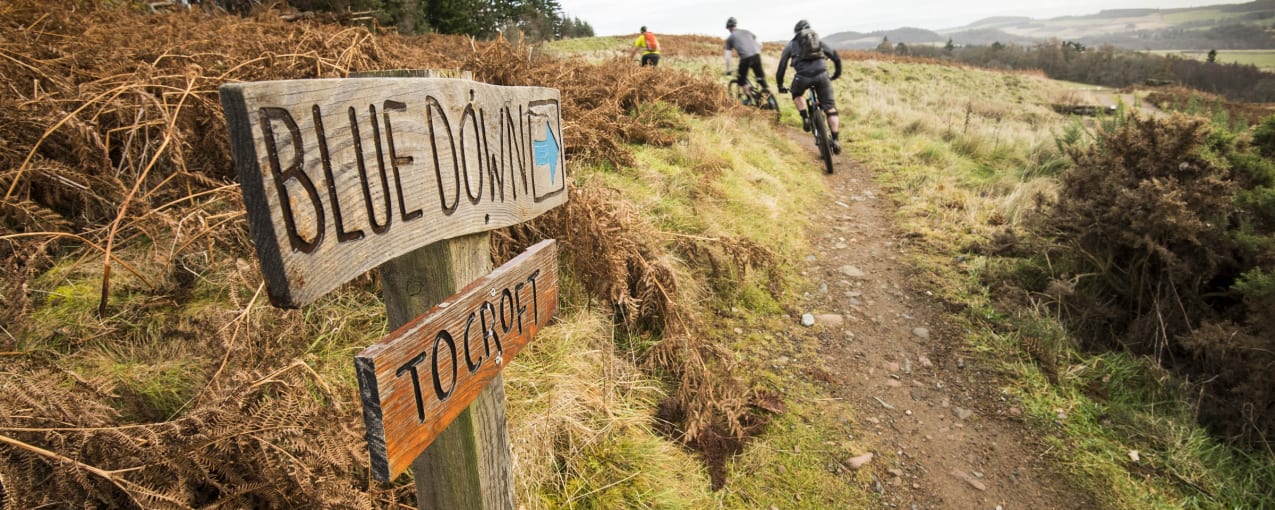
x: 415, y: 382
x: 341, y: 175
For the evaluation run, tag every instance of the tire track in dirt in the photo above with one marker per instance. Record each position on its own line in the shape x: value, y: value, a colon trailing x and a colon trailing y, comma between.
x: 947, y: 438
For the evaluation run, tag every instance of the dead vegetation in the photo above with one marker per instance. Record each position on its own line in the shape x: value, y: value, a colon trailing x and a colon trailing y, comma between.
x: 1194, y: 102
x: 115, y: 171
x: 623, y: 261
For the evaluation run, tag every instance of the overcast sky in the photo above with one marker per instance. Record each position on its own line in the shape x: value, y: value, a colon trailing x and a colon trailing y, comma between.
x: 772, y: 20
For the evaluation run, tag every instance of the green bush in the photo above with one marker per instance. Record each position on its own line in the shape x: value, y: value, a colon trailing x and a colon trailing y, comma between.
x: 1167, y: 227
x: 1264, y: 137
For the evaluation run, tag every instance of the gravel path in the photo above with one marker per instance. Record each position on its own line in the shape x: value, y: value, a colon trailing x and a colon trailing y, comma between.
x: 947, y: 436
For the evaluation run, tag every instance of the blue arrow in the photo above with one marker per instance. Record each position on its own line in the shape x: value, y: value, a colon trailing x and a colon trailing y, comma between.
x: 546, y: 152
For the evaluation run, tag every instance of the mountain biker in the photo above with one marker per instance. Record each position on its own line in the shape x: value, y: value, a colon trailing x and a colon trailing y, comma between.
x: 811, y: 72
x: 649, y: 46
x: 745, y: 44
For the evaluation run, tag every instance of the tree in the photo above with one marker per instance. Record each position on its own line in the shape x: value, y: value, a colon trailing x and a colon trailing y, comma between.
x: 534, y: 19
x: 901, y: 49
x: 885, y: 46
x: 949, y: 46
x: 458, y: 17
x: 1212, y: 56
x: 407, y: 15
x: 576, y: 27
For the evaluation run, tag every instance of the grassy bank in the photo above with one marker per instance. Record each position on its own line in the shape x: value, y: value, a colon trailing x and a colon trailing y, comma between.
x: 964, y: 151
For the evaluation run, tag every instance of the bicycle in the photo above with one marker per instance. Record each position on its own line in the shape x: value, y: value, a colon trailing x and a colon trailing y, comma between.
x: 755, y: 96
x: 819, y: 128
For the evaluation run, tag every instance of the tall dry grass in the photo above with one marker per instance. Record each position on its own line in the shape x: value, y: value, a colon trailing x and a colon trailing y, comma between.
x: 141, y: 363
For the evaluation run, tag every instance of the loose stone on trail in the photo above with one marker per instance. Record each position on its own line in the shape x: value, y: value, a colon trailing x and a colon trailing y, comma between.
x: 969, y: 479
x: 859, y: 461
x: 832, y: 320
x: 852, y: 272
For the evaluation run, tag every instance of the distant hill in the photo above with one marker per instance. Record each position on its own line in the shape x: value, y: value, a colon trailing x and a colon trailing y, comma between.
x: 985, y: 37
x: 906, y: 35
x: 1239, y: 26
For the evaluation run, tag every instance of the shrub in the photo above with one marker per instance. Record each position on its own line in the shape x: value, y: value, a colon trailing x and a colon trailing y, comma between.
x: 1141, y: 214
x: 1166, y: 228
x: 1264, y: 137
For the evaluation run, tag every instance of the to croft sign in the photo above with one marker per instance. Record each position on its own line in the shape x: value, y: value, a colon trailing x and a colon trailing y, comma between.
x: 416, y: 381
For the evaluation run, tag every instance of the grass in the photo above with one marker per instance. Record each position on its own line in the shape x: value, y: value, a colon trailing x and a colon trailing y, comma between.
x: 581, y: 411
x: 580, y: 424
x: 592, y: 49
x: 1199, y: 14
x: 803, y: 451
x: 962, y: 152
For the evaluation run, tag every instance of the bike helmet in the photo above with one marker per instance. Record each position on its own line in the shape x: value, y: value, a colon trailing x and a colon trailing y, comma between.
x: 644, y: 29
x: 730, y: 22
x: 801, y: 25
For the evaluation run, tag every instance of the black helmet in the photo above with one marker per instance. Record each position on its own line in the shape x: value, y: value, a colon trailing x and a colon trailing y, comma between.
x: 730, y: 22
x: 644, y: 29
x: 801, y: 25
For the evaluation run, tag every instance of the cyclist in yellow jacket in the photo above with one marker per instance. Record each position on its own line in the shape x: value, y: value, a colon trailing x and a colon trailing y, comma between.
x: 649, y: 46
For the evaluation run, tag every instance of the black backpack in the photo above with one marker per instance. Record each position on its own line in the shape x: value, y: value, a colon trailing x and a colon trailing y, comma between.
x: 808, y: 45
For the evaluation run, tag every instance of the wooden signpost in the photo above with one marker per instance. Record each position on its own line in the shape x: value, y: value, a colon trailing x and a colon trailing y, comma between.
x: 409, y: 175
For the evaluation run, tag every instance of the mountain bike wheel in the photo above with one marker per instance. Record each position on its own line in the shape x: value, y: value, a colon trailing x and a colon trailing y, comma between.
x: 823, y: 138
x: 772, y: 104
x: 737, y: 92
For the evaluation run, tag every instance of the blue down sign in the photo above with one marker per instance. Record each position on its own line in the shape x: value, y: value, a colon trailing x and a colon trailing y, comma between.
x: 342, y: 175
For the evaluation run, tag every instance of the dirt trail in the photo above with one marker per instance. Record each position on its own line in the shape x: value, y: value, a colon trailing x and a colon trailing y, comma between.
x: 947, y: 437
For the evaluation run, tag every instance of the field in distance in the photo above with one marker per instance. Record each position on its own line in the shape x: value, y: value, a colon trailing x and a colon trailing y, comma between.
x: 1263, y: 59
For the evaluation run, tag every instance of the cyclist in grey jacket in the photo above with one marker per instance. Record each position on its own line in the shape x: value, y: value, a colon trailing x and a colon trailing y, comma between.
x: 745, y: 44
x: 811, y: 72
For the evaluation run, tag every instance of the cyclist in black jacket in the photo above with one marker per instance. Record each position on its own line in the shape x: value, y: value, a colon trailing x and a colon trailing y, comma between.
x: 811, y: 72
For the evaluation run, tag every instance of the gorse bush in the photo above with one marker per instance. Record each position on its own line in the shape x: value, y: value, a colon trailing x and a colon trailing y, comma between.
x: 1164, y: 228
x: 1141, y: 214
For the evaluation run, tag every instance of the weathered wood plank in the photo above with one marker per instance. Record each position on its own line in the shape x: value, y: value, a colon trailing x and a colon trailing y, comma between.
x: 340, y: 176
x: 417, y: 380
x: 470, y: 460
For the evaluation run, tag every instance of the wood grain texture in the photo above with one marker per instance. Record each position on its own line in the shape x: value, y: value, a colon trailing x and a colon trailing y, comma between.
x: 341, y: 175
x: 425, y: 373
x: 470, y: 461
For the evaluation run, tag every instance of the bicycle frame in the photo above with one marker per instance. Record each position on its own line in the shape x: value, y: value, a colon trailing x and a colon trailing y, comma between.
x: 819, y: 128
x: 753, y: 95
